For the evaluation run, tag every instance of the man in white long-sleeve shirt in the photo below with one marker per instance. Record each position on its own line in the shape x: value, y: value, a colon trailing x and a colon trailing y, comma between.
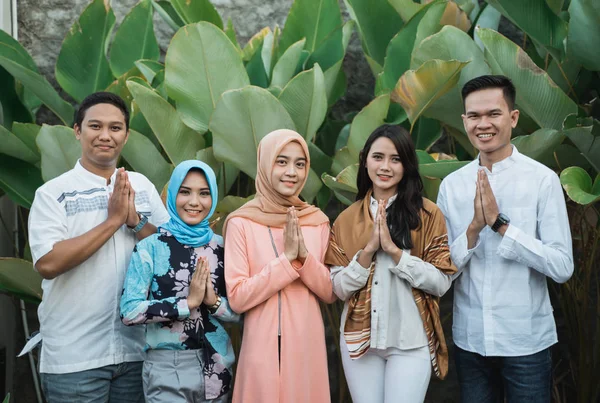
x: 508, y: 231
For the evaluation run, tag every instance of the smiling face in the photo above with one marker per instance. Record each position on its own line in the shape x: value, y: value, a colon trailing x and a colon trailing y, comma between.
x: 102, y: 135
x: 193, y: 202
x: 384, y: 167
x: 289, y: 170
x: 489, y: 122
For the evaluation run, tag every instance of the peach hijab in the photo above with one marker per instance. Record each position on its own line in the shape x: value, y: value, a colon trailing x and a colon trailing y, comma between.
x: 268, y: 206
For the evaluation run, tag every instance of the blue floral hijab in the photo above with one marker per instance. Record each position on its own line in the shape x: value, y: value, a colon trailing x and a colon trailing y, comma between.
x: 192, y: 235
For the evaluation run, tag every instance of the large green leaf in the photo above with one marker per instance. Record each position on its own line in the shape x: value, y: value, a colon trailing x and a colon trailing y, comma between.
x: 13, y: 146
x: 19, y: 278
x: 306, y: 101
x: 59, y: 148
x: 427, y: 132
x: 584, y: 33
x: 418, y: 89
x: 564, y: 74
x: 134, y: 39
x: 119, y: 86
x: 230, y: 32
x: 431, y: 22
x: 149, y: 68
x: 226, y: 206
x: 14, y: 51
x: 19, y: 180
x: 196, y: 11
x: 441, y: 169
x: 344, y: 184
x: 40, y: 87
x: 11, y: 107
x: 241, y: 119
x: 143, y: 157
x: 81, y: 67
x: 342, y: 159
x: 537, y: 20
x: 287, y: 65
x: 489, y: 18
x: 366, y: 121
x: 537, y: 95
x: 314, y: 20
x: 335, y: 78
x: 539, y: 145
x: 179, y: 141
x: 226, y: 173
x: 579, y: 131
x: 451, y: 44
x: 27, y: 133
x: 165, y: 9
x: 319, y: 161
x: 578, y: 185
x: 406, y: 8
x: 377, y: 23
x: 398, y: 53
x: 204, y: 49
x: 311, y: 188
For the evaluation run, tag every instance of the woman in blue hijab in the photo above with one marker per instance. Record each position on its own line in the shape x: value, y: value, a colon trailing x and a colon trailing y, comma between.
x: 175, y: 285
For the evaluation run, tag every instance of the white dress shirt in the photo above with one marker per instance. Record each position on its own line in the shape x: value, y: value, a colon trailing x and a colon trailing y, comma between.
x: 395, y: 319
x: 501, y: 302
x: 79, y: 314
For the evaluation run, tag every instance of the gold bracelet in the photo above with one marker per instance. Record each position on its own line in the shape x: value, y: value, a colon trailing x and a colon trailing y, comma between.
x: 214, y: 307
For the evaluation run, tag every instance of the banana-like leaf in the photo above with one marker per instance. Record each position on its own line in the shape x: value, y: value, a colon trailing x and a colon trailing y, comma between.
x: 19, y: 180
x: 311, y: 188
x: 59, y: 148
x: 335, y: 78
x: 319, y: 161
x: 584, y: 33
x: 226, y: 173
x: 14, y: 51
x: 341, y: 160
x: 268, y: 52
x: 398, y: 53
x: 377, y: 23
x: 315, y: 20
x: 11, y: 107
x: 179, y: 141
x: 230, y: 32
x: 537, y: 95
x: 565, y: 74
x: 366, y: 121
x: 406, y: 8
x: 82, y: 67
x: 241, y: 119
x: 196, y: 11
x: 344, y: 184
x: 165, y: 9
x: 431, y: 22
x: 256, y: 68
x: 538, y: 21
x: 580, y: 132
x: 254, y: 44
x: 418, y: 89
x: 287, y: 65
x: 204, y: 49
x: 489, y: 18
x: 119, y: 86
x: 427, y: 132
x: 143, y: 157
x: 27, y: 133
x: 456, y: 17
x: 305, y: 100
x: 134, y: 39
x: 440, y: 169
x: 19, y: 278
x: 226, y: 206
x: 579, y: 187
x: 38, y: 85
x: 13, y: 146
x: 539, y: 145
x: 451, y: 44
x: 149, y: 68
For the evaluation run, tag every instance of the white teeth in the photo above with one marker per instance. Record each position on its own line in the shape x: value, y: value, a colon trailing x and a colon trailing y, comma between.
x: 484, y: 136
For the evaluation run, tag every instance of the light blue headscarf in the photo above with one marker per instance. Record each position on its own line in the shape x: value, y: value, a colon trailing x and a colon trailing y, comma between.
x: 192, y: 235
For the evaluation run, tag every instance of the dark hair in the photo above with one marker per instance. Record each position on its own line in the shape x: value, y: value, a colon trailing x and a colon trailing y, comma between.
x: 101, y: 98
x: 403, y: 213
x: 489, y: 81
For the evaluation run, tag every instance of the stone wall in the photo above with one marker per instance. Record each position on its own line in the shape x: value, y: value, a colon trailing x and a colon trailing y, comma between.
x: 43, y: 25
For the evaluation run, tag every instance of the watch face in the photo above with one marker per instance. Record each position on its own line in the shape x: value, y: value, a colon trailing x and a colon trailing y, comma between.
x: 503, y: 218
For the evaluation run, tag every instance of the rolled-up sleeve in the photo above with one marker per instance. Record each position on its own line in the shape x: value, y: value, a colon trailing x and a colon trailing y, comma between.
x: 349, y: 279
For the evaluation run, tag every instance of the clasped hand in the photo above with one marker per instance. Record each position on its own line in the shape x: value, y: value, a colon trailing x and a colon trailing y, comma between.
x: 294, y: 247
x: 121, y: 203
x: 485, y: 205
x: 381, y: 237
x: 201, y: 288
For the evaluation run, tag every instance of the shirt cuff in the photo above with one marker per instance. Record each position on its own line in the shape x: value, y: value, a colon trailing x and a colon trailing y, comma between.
x: 506, y: 248
x: 402, y: 269
x: 291, y: 271
x: 459, y: 251
x: 183, y: 310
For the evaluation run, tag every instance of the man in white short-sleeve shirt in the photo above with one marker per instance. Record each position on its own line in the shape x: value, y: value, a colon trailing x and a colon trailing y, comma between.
x: 508, y: 232
x: 83, y: 226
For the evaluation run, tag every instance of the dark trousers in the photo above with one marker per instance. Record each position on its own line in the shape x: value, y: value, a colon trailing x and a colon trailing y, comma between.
x: 523, y: 379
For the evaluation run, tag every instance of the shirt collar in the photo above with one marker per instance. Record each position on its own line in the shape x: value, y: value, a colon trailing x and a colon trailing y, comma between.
x: 92, y: 177
x: 390, y: 201
x: 503, y: 164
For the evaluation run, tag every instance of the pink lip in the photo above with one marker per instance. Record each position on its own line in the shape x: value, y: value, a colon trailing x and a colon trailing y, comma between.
x: 289, y: 184
x: 104, y: 148
x: 384, y: 178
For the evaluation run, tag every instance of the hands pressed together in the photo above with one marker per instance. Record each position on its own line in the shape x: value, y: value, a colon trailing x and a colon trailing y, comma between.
x: 201, y: 288
x: 121, y: 203
x: 294, y: 247
x: 380, y: 238
x: 485, y: 206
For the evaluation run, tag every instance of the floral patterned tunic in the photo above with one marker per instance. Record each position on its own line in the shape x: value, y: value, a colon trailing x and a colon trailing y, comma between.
x: 155, y: 293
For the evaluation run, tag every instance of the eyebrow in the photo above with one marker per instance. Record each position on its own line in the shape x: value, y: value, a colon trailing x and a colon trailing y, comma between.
x: 287, y: 158
x: 110, y: 123
x: 484, y: 112
x: 188, y: 188
x: 381, y: 153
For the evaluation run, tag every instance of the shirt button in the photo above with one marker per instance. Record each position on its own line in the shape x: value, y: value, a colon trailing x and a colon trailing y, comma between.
x: 374, y: 310
x: 377, y: 282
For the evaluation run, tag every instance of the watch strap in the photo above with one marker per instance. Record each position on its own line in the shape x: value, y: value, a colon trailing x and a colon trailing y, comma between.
x: 143, y: 221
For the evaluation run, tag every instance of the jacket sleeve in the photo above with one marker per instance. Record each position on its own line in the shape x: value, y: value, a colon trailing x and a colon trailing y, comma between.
x: 315, y: 275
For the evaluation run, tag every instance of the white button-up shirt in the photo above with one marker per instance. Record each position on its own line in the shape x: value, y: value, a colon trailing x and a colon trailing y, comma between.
x: 395, y: 318
x: 501, y: 302
x: 79, y: 317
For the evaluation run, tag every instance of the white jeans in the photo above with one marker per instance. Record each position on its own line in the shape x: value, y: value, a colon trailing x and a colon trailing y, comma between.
x: 387, y: 376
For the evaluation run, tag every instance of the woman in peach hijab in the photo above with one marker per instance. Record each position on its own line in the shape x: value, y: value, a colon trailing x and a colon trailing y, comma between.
x: 274, y: 272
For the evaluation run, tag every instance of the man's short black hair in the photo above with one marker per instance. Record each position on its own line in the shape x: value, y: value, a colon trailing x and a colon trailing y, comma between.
x: 491, y: 81
x: 101, y: 98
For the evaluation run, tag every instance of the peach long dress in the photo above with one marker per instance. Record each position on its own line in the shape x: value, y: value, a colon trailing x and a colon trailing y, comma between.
x: 278, y: 298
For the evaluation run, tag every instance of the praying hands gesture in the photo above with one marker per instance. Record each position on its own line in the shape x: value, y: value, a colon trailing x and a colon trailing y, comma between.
x: 485, y: 206
x: 380, y: 238
x: 294, y: 246
x: 201, y: 288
